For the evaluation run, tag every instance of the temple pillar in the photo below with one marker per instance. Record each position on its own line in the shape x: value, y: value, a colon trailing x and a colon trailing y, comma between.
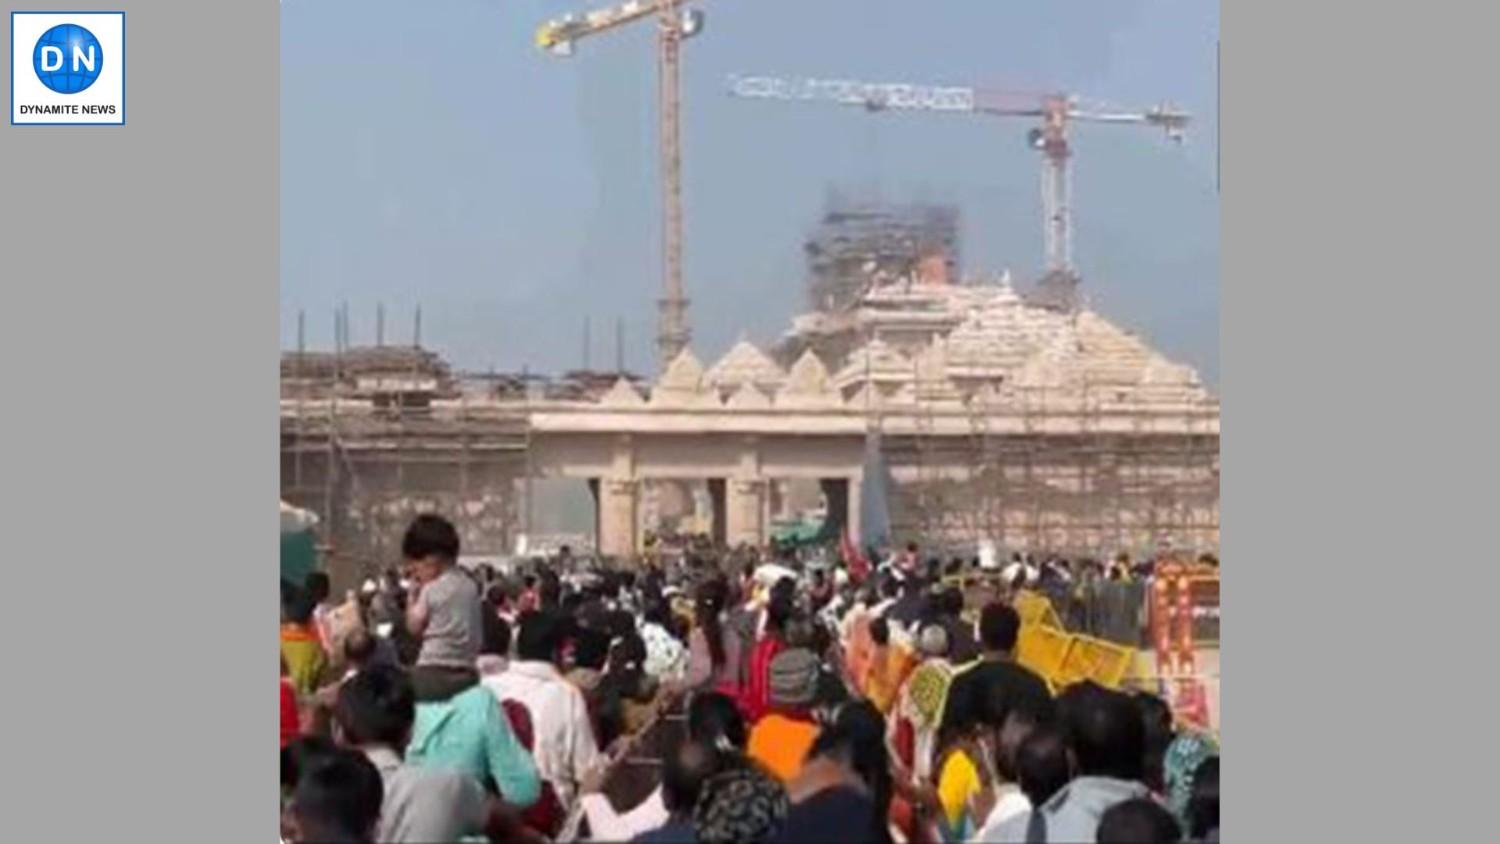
x: 854, y: 521
x: 617, y: 517
x: 718, y: 505
x: 743, y: 512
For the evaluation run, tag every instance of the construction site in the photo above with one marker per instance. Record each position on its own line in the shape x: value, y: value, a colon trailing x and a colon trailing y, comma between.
x: 1000, y: 420
x: 1006, y: 412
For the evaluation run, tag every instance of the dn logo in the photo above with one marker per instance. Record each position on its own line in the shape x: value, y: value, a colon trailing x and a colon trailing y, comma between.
x: 67, y: 58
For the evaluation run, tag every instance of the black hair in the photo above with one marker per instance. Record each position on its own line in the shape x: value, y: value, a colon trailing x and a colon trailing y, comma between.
x: 299, y: 754
x: 712, y: 716
x: 300, y: 606
x: 540, y: 637
x: 952, y: 602
x: 549, y: 593
x: 1042, y: 766
x: 623, y: 680
x: 1203, y: 804
x: 890, y: 587
x: 1156, y: 720
x: 657, y: 611
x: 999, y: 627
x: 619, y: 623
x: 359, y: 647
x: 317, y: 585
x: 1138, y: 821
x: 591, y: 648
x: 880, y: 631
x: 1010, y: 734
x: 430, y: 535
x: 911, y: 547
x: 856, y: 738
x: 496, y: 634
x: 1018, y: 580
x: 337, y: 797
x: 628, y: 651
x: 785, y: 587
x: 712, y: 595
x: 822, y: 637
x: 683, y: 773
x: 376, y: 706
x: 779, y: 610
x: 1104, y: 730
x: 830, y: 690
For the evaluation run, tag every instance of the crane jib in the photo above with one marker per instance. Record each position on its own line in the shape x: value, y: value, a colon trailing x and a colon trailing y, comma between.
x: 852, y: 92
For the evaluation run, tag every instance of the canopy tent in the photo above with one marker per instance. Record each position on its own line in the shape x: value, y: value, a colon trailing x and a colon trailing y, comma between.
x: 299, y: 550
x: 296, y: 519
x: 797, y: 533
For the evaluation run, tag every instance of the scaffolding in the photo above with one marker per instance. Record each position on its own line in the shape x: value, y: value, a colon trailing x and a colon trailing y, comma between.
x: 370, y: 448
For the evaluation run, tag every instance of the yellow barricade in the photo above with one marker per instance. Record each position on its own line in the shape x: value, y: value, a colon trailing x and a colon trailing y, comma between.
x: 1034, y: 608
x: 1095, y: 659
x: 1063, y: 658
x: 1044, y: 650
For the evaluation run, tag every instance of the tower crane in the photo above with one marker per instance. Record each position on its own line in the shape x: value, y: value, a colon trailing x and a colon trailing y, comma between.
x: 1054, y: 113
x: 674, y: 23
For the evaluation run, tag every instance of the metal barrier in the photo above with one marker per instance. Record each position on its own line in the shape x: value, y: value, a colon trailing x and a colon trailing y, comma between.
x: 634, y: 769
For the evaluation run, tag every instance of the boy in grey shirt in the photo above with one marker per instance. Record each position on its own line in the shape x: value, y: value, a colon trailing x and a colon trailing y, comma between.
x: 445, y: 612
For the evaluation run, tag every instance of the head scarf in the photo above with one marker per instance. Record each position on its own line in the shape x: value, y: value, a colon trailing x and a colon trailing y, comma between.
x: 794, y: 678
x: 739, y: 806
x: 1181, y: 761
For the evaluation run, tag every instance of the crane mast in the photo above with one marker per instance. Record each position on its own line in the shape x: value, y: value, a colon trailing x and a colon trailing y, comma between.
x: 673, y: 334
x: 673, y: 25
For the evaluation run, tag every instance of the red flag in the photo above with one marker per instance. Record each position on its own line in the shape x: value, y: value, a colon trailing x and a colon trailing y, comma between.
x: 859, y: 567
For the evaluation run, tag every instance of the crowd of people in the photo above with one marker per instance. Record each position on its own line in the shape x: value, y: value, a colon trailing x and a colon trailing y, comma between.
x: 821, y: 703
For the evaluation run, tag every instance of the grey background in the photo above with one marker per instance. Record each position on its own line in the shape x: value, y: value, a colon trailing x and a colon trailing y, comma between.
x: 1358, y: 544
x: 138, y: 347
x: 138, y: 357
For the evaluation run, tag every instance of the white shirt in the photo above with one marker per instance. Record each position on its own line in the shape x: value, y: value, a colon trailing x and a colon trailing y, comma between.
x: 564, y: 739
x: 1010, y: 803
x: 605, y: 824
x: 666, y: 658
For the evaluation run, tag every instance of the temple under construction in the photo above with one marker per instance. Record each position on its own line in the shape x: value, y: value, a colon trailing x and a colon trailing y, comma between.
x: 999, y: 419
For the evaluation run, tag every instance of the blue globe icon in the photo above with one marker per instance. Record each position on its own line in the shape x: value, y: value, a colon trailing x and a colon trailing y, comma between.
x: 67, y: 58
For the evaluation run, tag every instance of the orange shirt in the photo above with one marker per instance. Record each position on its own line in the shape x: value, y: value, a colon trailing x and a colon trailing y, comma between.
x: 888, y: 669
x: 780, y: 743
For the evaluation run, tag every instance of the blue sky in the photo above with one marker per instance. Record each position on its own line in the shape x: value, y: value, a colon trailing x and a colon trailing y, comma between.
x: 429, y: 153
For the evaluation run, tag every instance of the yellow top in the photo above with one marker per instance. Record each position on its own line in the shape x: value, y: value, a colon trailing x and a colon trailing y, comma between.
x: 957, y: 782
